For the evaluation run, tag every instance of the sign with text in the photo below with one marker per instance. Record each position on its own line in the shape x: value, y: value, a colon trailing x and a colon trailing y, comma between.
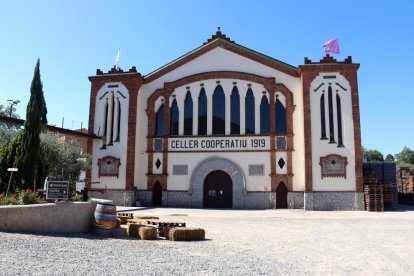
x: 257, y: 143
x: 57, y: 190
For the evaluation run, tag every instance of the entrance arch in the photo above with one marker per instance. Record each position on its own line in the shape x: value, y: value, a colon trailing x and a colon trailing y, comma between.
x: 281, y: 196
x: 157, y: 194
x: 204, y: 168
x: 218, y: 190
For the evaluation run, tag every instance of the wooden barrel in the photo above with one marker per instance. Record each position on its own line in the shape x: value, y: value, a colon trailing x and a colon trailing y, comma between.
x: 103, y: 230
x: 105, y: 215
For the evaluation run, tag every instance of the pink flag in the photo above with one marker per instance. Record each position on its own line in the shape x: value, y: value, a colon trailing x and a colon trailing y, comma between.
x: 331, y: 46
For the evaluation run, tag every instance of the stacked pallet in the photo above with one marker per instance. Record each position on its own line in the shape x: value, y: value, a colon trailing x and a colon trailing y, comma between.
x: 374, y: 199
x: 405, y: 178
x: 387, y: 191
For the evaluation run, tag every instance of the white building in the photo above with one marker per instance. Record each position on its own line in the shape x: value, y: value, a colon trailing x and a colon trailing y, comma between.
x: 224, y: 126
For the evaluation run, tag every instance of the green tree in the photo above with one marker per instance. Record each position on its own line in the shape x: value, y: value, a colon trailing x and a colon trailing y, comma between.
x: 373, y: 155
x: 28, y: 153
x: 406, y: 156
x: 64, y: 157
x: 389, y: 158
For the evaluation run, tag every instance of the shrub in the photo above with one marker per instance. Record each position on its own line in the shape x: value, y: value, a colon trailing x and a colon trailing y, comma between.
x: 76, y: 197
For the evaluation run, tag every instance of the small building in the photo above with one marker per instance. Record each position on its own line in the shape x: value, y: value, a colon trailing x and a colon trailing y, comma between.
x: 224, y: 126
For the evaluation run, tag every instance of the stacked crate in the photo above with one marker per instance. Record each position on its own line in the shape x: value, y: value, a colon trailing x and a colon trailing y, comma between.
x: 374, y: 198
x: 387, y: 191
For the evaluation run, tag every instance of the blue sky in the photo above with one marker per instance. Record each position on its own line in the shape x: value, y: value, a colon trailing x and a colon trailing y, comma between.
x: 74, y: 38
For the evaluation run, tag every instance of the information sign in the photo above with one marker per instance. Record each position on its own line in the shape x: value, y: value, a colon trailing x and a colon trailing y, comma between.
x: 57, y: 190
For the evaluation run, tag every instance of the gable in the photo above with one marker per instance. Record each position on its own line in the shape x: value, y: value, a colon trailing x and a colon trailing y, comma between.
x: 223, y: 55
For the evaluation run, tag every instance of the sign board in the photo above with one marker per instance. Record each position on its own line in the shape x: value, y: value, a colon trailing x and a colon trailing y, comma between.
x: 57, y: 190
x: 256, y: 143
x: 12, y: 169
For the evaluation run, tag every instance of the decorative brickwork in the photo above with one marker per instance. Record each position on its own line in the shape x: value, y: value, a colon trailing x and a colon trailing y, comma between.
x: 308, y: 72
x: 133, y: 82
x: 270, y: 85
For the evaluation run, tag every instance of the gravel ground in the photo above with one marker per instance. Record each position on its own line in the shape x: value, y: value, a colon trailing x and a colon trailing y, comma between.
x: 264, y: 242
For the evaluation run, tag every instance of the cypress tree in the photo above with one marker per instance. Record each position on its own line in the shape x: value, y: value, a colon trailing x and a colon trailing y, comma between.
x: 29, y: 151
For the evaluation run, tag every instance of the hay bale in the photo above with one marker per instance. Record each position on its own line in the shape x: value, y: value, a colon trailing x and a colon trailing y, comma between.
x: 186, y: 234
x: 166, y: 231
x: 147, y: 233
x: 145, y: 217
x: 133, y: 230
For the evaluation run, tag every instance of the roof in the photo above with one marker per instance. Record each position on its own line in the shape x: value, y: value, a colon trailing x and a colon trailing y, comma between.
x: 221, y: 40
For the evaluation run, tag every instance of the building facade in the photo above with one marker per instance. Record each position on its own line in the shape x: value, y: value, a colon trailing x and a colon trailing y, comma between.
x: 227, y: 127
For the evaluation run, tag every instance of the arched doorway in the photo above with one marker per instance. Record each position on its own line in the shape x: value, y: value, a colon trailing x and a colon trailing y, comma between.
x: 218, y: 190
x: 157, y: 194
x: 281, y: 196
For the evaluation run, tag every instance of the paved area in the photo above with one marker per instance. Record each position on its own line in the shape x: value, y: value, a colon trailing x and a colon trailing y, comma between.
x: 239, y: 242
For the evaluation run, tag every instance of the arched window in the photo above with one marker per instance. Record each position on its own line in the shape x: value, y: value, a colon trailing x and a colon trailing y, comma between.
x: 323, y: 121
x: 159, y: 121
x: 111, y: 137
x: 105, y: 125
x: 219, y: 111
x: 331, y: 116
x: 249, y: 112
x: 280, y: 114
x: 174, y: 118
x: 235, y: 111
x: 202, y: 113
x: 264, y: 116
x: 339, y: 119
x: 118, y: 129
x: 188, y: 114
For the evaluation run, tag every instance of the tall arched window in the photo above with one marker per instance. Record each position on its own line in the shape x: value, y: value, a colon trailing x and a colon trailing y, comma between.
x: 159, y: 122
x: 118, y: 129
x: 188, y: 114
x: 105, y: 125
x: 249, y: 112
x: 235, y: 111
x: 219, y: 111
x: 174, y: 118
x: 331, y: 116
x: 323, y: 121
x: 280, y: 114
x: 339, y: 119
x: 264, y: 116
x: 202, y: 113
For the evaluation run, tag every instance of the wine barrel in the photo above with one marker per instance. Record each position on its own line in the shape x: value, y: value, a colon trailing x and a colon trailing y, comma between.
x: 105, y: 219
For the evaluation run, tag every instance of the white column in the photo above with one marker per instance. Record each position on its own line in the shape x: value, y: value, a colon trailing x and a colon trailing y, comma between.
x: 180, y: 104
x: 326, y: 113
x: 195, y: 114
x: 228, y: 113
x: 109, y: 119
x: 257, y: 100
x: 242, y: 114
x: 116, y: 126
x: 335, y: 115
x: 209, y: 113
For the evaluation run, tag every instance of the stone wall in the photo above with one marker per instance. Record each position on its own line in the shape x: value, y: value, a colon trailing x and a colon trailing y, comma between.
x: 176, y: 199
x: 295, y: 200
x: 328, y: 201
x: 260, y: 200
x: 144, y: 197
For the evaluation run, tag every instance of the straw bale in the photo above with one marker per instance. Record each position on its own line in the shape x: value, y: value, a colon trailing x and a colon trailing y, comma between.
x: 148, y: 233
x: 186, y: 234
x: 133, y: 230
